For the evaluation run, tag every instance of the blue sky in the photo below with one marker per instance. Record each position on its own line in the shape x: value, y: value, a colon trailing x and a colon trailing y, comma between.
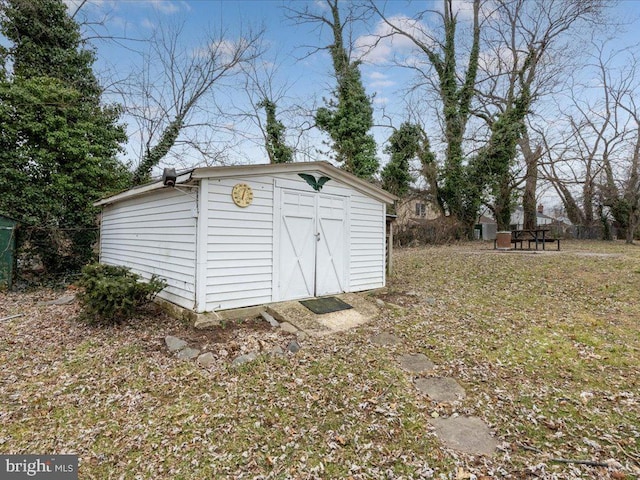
x: 305, y: 78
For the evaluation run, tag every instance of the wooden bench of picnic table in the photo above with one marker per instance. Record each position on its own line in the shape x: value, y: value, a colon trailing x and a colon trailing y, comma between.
x: 536, y: 236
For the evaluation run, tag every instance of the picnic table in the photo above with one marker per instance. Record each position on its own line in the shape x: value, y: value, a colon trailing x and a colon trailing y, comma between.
x: 537, y: 236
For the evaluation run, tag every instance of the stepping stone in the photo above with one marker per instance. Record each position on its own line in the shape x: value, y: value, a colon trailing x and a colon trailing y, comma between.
x: 465, y: 434
x: 440, y: 389
x: 384, y: 339
x: 415, y: 362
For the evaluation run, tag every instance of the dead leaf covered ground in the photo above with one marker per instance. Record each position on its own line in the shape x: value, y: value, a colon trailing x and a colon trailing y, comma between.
x: 547, y: 347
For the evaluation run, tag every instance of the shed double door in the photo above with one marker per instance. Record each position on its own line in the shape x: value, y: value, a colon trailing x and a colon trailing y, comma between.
x: 313, y: 244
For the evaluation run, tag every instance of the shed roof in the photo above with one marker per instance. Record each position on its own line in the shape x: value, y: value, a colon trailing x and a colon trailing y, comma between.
x: 259, y: 170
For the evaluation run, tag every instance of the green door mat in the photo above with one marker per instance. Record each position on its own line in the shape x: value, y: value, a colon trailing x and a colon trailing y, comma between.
x: 325, y: 305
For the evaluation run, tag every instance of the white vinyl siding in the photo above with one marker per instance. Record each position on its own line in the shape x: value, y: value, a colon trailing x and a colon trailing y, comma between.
x: 154, y: 234
x: 240, y: 244
x: 367, y: 267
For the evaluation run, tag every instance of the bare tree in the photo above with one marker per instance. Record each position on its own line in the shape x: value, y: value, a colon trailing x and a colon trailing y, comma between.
x: 166, y: 96
x: 529, y: 43
x: 621, y: 183
x: 514, y: 51
x: 269, y: 101
x: 591, y: 165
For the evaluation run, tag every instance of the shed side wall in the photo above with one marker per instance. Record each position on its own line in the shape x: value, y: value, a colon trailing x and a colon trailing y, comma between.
x: 154, y: 234
x: 367, y: 267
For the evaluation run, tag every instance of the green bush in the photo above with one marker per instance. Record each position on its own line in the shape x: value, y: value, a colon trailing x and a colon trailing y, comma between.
x: 110, y: 294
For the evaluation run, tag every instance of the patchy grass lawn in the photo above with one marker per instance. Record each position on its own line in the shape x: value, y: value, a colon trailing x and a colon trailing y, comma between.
x: 547, y: 347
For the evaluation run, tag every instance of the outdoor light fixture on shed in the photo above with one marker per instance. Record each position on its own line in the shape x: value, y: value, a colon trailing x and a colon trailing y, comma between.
x: 169, y: 177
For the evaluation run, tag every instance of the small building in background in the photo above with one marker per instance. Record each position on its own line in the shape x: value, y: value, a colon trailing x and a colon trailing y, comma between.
x: 542, y: 220
x: 415, y: 208
x: 486, y: 228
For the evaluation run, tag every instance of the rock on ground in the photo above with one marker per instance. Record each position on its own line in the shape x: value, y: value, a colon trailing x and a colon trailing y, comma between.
x: 174, y: 343
x: 272, y: 321
x: 249, y: 357
x: 206, y: 360
x: 277, y: 351
x: 64, y: 300
x: 206, y: 321
x: 188, y: 353
x: 293, y: 346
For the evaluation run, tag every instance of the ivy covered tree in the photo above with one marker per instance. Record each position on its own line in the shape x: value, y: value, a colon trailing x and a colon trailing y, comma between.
x: 277, y: 149
x: 457, y: 191
x: 348, y: 116
x: 495, y: 161
x: 59, y: 142
x: 405, y: 144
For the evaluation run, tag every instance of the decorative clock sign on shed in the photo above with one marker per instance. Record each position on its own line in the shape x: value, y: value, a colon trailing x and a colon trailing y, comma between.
x: 242, y: 195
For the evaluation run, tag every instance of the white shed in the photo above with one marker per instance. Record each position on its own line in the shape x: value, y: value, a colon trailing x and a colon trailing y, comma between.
x: 229, y: 237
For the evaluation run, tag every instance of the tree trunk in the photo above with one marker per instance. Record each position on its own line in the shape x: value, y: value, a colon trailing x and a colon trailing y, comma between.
x: 587, y: 203
x: 629, y: 233
x: 531, y: 159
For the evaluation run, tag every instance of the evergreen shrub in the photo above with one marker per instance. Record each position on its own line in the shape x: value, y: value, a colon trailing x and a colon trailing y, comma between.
x: 110, y: 294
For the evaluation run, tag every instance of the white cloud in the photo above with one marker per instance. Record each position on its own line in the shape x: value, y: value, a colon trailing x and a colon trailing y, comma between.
x: 381, y: 100
x: 382, y: 84
x: 224, y: 51
x: 385, y: 43
x: 165, y: 6
x: 322, y: 5
x: 146, y: 23
x: 74, y: 5
x: 377, y: 75
x: 379, y: 80
x: 464, y: 9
